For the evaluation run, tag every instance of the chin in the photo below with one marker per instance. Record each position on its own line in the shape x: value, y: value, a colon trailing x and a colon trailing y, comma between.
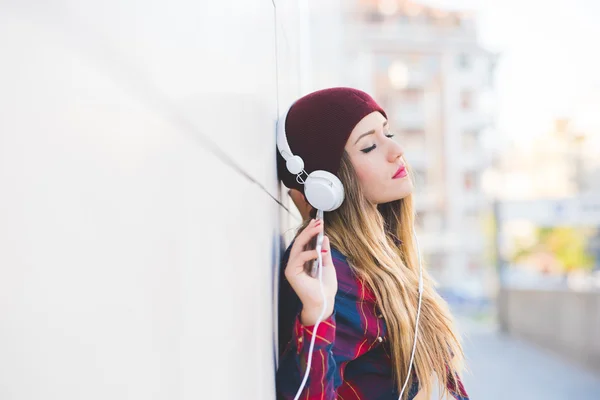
x: 386, y: 193
x: 399, y: 193
x: 394, y: 198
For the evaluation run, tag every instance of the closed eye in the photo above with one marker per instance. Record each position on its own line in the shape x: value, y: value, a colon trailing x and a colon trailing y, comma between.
x: 369, y: 149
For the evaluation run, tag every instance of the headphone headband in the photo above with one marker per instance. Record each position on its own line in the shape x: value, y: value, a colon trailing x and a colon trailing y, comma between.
x: 323, y: 190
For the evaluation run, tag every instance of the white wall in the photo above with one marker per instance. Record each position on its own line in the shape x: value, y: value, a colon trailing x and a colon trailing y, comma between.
x: 135, y: 263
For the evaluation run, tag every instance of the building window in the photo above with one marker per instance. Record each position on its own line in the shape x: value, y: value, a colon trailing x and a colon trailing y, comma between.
x: 374, y: 16
x: 466, y: 100
x: 415, y: 60
x: 471, y: 220
x: 431, y: 65
x: 398, y: 74
x: 412, y: 95
x: 464, y: 61
x: 383, y: 63
x: 470, y: 180
x: 470, y: 140
x: 436, y: 222
x: 474, y: 264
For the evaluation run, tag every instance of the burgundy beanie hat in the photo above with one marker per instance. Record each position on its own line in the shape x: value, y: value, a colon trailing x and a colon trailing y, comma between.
x: 317, y: 128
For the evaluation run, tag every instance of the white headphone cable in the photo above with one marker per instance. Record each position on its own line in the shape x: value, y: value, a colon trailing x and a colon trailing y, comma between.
x: 412, y: 356
x: 322, y: 315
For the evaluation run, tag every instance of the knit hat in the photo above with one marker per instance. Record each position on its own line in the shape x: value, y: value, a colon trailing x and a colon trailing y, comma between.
x: 317, y: 128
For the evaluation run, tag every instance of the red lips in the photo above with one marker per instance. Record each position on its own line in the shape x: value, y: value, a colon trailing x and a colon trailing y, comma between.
x: 401, y: 173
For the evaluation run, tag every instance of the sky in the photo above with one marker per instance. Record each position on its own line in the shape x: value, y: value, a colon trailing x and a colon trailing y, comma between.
x: 549, y: 61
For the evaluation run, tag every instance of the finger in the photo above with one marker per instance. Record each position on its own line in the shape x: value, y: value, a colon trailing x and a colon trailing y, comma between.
x: 307, y: 256
x: 311, y: 230
x: 296, y: 265
x: 298, y: 246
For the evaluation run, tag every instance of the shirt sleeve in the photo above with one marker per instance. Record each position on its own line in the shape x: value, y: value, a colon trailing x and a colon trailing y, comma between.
x: 337, y: 339
x: 292, y: 367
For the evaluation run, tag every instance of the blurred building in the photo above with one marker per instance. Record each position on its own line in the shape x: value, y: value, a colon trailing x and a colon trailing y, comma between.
x: 555, y: 177
x: 427, y: 69
x: 560, y: 163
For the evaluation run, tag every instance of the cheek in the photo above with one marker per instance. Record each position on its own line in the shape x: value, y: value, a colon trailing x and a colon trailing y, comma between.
x: 366, y: 173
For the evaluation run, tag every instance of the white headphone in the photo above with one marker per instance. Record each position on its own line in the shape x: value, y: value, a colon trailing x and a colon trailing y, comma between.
x: 325, y: 192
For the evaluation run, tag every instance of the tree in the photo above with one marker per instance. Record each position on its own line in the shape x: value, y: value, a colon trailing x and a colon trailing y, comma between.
x: 567, y: 244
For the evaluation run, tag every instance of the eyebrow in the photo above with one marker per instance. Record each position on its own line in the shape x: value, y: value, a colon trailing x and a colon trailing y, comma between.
x: 372, y: 131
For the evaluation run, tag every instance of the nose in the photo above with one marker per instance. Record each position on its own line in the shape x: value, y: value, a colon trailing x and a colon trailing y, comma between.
x: 395, y: 151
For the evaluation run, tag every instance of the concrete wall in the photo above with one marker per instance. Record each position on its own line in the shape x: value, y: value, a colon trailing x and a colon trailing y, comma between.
x: 138, y: 229
x: 565, y: 322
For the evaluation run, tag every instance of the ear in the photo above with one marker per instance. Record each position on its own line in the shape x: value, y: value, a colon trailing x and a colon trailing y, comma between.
x: 301, y: 203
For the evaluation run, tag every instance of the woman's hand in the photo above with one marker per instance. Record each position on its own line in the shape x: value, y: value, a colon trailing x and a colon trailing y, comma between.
x: 306, y: 287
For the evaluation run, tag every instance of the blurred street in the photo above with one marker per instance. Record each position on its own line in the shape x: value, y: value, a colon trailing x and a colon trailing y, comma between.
x: 503, y: 367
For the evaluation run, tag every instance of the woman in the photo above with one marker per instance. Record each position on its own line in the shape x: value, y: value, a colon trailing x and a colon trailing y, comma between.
x: 370, y: 266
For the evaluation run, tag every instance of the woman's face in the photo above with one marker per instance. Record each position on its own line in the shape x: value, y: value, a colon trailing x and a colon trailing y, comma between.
x: 377, y: 160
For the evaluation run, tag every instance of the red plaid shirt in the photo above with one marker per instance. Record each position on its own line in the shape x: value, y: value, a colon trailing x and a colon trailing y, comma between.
x: 351, y: 359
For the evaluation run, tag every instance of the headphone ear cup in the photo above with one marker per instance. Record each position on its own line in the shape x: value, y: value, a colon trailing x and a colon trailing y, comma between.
x: 324, y: 191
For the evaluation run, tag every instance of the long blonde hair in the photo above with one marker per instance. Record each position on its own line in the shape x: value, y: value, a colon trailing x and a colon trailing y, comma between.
x: 379, y: 246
